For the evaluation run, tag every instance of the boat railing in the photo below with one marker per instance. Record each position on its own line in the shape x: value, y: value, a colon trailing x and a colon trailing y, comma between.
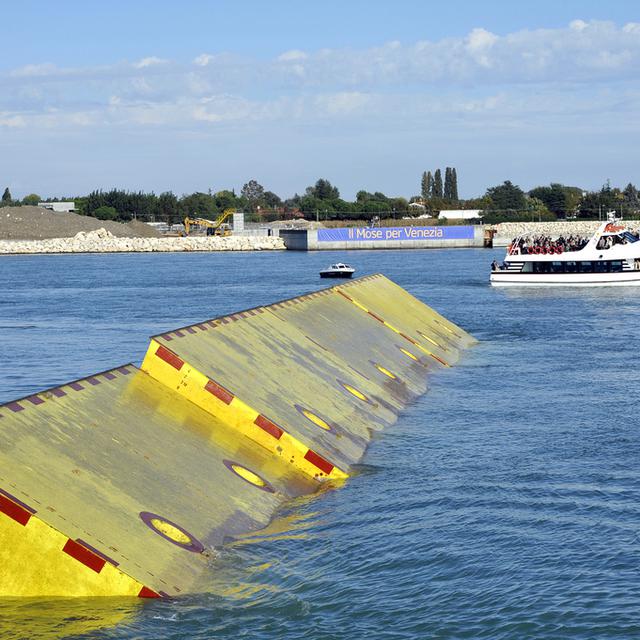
x: 514, y: 247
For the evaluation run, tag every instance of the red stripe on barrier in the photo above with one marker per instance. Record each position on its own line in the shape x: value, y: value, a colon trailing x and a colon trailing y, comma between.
x: 59, y: 393
x: 446, y: 364
x: 145, y: 592
x: 377, y: 317
x: 15, y: 407
x: 84, y: 555
x: 178, y: 333
x: 271, y: 428
x: 344, y: 295
x: 93, y: 381
x: 190, y: 330
x: 14, y: 511
x: 109, y: 376
x: 219, y: 392
x: 319, y: 461
x: 170, y: 358
x: 76, y: 386
x: 98, y: 553
x: 406, y: 337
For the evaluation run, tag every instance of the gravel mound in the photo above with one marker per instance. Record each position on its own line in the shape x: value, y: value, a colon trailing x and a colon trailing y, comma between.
x: 35, y: 223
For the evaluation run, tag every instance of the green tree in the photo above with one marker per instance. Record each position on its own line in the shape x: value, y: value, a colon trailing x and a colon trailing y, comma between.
x: 271, y: 200
x: 253, y: 192
x: 323, y: 190
x: 32, y: 199
x: 558, y: 198
x: 426, y: 185
x: 507, y: 197
x: 448, y: 184
x: 105, y: 213
x: 437, y: 191
x: 597, y: 204
x: 167, y: 207
x: 199, y: 205
x: 631, y: 198
x: 6, y: 197
x: 226, y: 199
x: 454, y: 184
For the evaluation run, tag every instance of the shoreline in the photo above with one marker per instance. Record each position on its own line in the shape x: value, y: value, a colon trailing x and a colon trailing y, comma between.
x: 102, y: 241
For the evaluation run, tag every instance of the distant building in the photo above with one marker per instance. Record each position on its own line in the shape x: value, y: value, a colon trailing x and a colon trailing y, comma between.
x: 58, y: 207
x: 160, y: 227
x: 460, y: 214
x: 416, y: 206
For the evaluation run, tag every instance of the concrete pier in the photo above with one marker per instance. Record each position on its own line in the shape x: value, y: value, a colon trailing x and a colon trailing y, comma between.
x: 440, y: 237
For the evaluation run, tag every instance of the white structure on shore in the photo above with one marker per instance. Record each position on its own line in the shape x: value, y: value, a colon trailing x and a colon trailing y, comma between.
x: 460, y: 214
x: 58, y: 207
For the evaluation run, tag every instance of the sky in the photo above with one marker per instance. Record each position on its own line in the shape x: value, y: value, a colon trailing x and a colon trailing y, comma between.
x: 195, y: 95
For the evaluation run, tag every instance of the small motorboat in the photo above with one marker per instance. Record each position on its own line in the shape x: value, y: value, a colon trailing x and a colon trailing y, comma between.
x: 338, y: 270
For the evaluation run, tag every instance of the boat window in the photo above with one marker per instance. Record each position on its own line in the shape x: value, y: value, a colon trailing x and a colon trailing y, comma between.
x: 629, y: 237
x: 570, y: 267
x: 557, y: 267
x: 585, y: 267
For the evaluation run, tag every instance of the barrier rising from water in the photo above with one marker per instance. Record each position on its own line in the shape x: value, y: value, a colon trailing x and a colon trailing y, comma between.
x: 124, y: 482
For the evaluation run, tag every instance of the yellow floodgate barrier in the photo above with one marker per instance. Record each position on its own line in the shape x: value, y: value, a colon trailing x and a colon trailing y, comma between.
x: 124, y: 482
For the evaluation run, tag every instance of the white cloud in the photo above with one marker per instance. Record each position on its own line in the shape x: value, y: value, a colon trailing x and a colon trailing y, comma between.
x: 148, y: 62
x: 292, y: 55
x: 203, y: 59
x: 34, y: 70
x: 578, y: 25
x: 481, y: 74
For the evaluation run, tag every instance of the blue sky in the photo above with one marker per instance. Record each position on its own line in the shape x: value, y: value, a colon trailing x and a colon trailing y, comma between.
x: 195, y: 95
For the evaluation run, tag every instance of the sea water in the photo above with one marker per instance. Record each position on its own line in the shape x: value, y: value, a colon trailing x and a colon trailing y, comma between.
x: 503, y: 504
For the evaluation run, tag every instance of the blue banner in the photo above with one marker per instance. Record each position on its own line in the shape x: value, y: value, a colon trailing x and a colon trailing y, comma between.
x: 367, y: 234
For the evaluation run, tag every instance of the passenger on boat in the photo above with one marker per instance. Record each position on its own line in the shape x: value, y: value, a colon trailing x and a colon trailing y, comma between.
x: 544, y: 244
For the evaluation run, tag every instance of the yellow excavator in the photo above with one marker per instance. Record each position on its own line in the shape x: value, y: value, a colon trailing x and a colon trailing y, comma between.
x: 218, y: 227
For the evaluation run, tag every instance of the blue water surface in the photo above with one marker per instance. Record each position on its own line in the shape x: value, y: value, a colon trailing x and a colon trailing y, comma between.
x: 503, y: 504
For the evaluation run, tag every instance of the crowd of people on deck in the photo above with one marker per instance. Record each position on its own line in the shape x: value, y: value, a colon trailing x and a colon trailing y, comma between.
x: 546, y: 245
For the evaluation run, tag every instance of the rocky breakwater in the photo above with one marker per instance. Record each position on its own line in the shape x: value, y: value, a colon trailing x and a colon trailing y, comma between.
x: 103, y: 241
x: 507, y: 231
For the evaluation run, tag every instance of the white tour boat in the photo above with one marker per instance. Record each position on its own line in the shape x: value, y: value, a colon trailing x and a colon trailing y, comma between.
x: 611, y: 257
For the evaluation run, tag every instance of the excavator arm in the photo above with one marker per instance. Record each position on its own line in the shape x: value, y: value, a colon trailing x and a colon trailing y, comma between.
x: 216, y: 225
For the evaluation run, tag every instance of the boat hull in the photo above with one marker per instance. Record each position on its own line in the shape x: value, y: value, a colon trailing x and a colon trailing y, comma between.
x: 515, y: 279
x: 328, y: 274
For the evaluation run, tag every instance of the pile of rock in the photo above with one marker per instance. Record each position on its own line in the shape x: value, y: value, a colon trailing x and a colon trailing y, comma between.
x: 554, y: 229
x: 103, y: 241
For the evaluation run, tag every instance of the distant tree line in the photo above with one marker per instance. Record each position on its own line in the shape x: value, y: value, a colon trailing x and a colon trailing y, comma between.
x: 322, y: 201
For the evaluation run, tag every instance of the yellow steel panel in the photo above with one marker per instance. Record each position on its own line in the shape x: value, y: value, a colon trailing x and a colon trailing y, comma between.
x: 196, y: 387
x: 359, y: 339
x: 281, y: 372
x: 98, y: 456
x: 34, y: 563
x: 122, y: 483
x: 412, y: 320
